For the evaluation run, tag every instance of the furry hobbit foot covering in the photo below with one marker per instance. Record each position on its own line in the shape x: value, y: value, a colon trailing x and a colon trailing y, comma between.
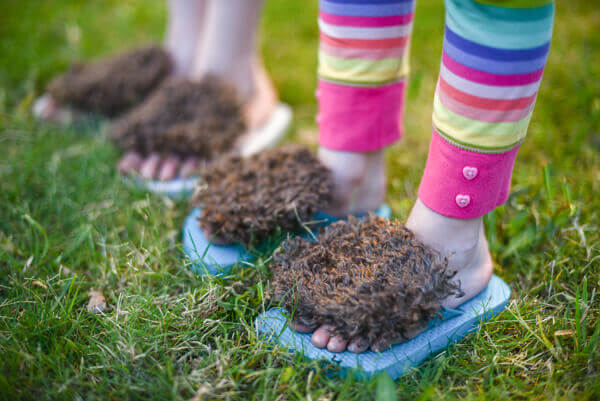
x: 112, y: 86
x: 183, y: 118
x: 368, y: 278
x: 245, y: 200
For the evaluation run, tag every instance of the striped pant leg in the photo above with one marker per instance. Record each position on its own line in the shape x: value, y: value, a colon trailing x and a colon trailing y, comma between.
x: 492, y: 63
x: 363, y: 64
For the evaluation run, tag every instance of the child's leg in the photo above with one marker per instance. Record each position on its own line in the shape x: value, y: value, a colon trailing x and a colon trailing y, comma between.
x: 363, y: 63
x: 227, y: 48
x: 184, y: 30
x: 491, y: 69
x: 489, y: 77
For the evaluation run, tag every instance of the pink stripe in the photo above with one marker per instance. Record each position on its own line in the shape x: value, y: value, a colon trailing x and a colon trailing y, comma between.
x: 367, y: 22
x: 490, y: 79
x: 443, y: 179
x: 357, y: 119
x: 485, y: 103
x: 475, y: 113
x: 365, y: 43
x: 363, y: 54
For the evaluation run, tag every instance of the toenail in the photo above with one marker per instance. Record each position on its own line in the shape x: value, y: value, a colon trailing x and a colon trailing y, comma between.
x: 463, y: 200
x: 470, y: 172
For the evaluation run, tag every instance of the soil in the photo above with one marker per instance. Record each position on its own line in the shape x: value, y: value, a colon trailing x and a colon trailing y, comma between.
x: 112, y: 86
x: 246, y: 200
x: 368, y: 278
x: 184, y: 118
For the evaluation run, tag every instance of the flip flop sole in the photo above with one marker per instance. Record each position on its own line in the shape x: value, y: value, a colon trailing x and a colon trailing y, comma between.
x: 207, y: 258
x: 456, y: 324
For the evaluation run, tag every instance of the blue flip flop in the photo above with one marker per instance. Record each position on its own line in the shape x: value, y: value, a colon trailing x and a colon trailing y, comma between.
x: 454, y: 325
x: 219, y: 259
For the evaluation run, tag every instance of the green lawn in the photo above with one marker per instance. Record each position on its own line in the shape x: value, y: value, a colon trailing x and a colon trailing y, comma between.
x: 68, y: 225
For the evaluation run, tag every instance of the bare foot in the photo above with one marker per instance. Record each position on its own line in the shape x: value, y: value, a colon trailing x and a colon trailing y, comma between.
x: 359, y: 180
x: 257, y: 110
x: 465, y: 245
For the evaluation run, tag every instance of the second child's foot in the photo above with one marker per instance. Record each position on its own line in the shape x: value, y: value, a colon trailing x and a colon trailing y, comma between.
x: 463, y: 242
x: 257, y: 110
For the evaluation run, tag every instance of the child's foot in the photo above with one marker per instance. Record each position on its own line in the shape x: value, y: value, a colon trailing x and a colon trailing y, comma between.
x: 359, y: 180
x: 465, y: 245
x: 257, y: 109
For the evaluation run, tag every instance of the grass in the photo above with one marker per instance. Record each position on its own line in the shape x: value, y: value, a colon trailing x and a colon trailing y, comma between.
x: 68, y: 225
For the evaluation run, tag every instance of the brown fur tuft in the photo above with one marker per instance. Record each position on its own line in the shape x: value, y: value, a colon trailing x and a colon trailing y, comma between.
x: 184, y: 118
x: 369, y: 278
x: 247, y: 199
x: 112, y: 86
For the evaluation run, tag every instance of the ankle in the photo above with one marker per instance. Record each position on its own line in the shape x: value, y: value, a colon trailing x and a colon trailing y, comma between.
x: 442, y: 232
x: 359, y: 180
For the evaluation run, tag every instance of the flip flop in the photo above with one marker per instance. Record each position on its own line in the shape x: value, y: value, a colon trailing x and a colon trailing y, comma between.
x: 397, y: 360
x: 207, y: 258
x: 265, y: 137
x: 103, y: 89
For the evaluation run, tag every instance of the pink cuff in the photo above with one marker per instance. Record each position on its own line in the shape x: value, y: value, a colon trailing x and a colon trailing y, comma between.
x: 359, y: 119
x: 462, y: 184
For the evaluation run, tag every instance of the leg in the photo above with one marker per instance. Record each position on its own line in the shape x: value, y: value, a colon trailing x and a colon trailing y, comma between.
x: 363, y: 64
x: 228, y: 49
x: 183, y: 36
x: 184, y: 32
x: 491, y: 69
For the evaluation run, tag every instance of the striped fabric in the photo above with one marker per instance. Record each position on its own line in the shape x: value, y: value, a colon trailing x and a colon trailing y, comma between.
x: 364, y: 42
x: 363, y: 63
x: 492, y: 65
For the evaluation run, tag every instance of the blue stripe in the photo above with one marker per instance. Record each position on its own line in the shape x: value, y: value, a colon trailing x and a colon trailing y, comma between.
x: 493, y: 66
x: 498, y: 26
x: 367, y: 10
x: 493, y: 53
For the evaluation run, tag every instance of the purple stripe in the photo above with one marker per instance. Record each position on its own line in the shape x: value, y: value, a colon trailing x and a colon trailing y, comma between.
x: 493, y: 66
x: 494, y: 53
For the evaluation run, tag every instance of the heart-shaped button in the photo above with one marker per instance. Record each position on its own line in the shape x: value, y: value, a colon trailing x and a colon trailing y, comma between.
x: 463, y: 200
x: 470, y: 172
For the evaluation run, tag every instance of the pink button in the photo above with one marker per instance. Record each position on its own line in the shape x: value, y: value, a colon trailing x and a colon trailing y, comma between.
x: 470, y: 172
x: 463, y: 200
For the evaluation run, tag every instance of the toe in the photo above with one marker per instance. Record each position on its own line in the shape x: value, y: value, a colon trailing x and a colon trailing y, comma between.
x: 149, y: 167
x: 189, y: 167
x: 320, y: 337
x: 358, y: 345
x: 383, y: 343
x: 337, y: 344
x: 168, y: 168
x: 130, y: 163
x: 301, y: 328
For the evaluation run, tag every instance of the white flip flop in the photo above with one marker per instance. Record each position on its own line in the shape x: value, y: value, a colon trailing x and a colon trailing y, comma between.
x: 45, y: 108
